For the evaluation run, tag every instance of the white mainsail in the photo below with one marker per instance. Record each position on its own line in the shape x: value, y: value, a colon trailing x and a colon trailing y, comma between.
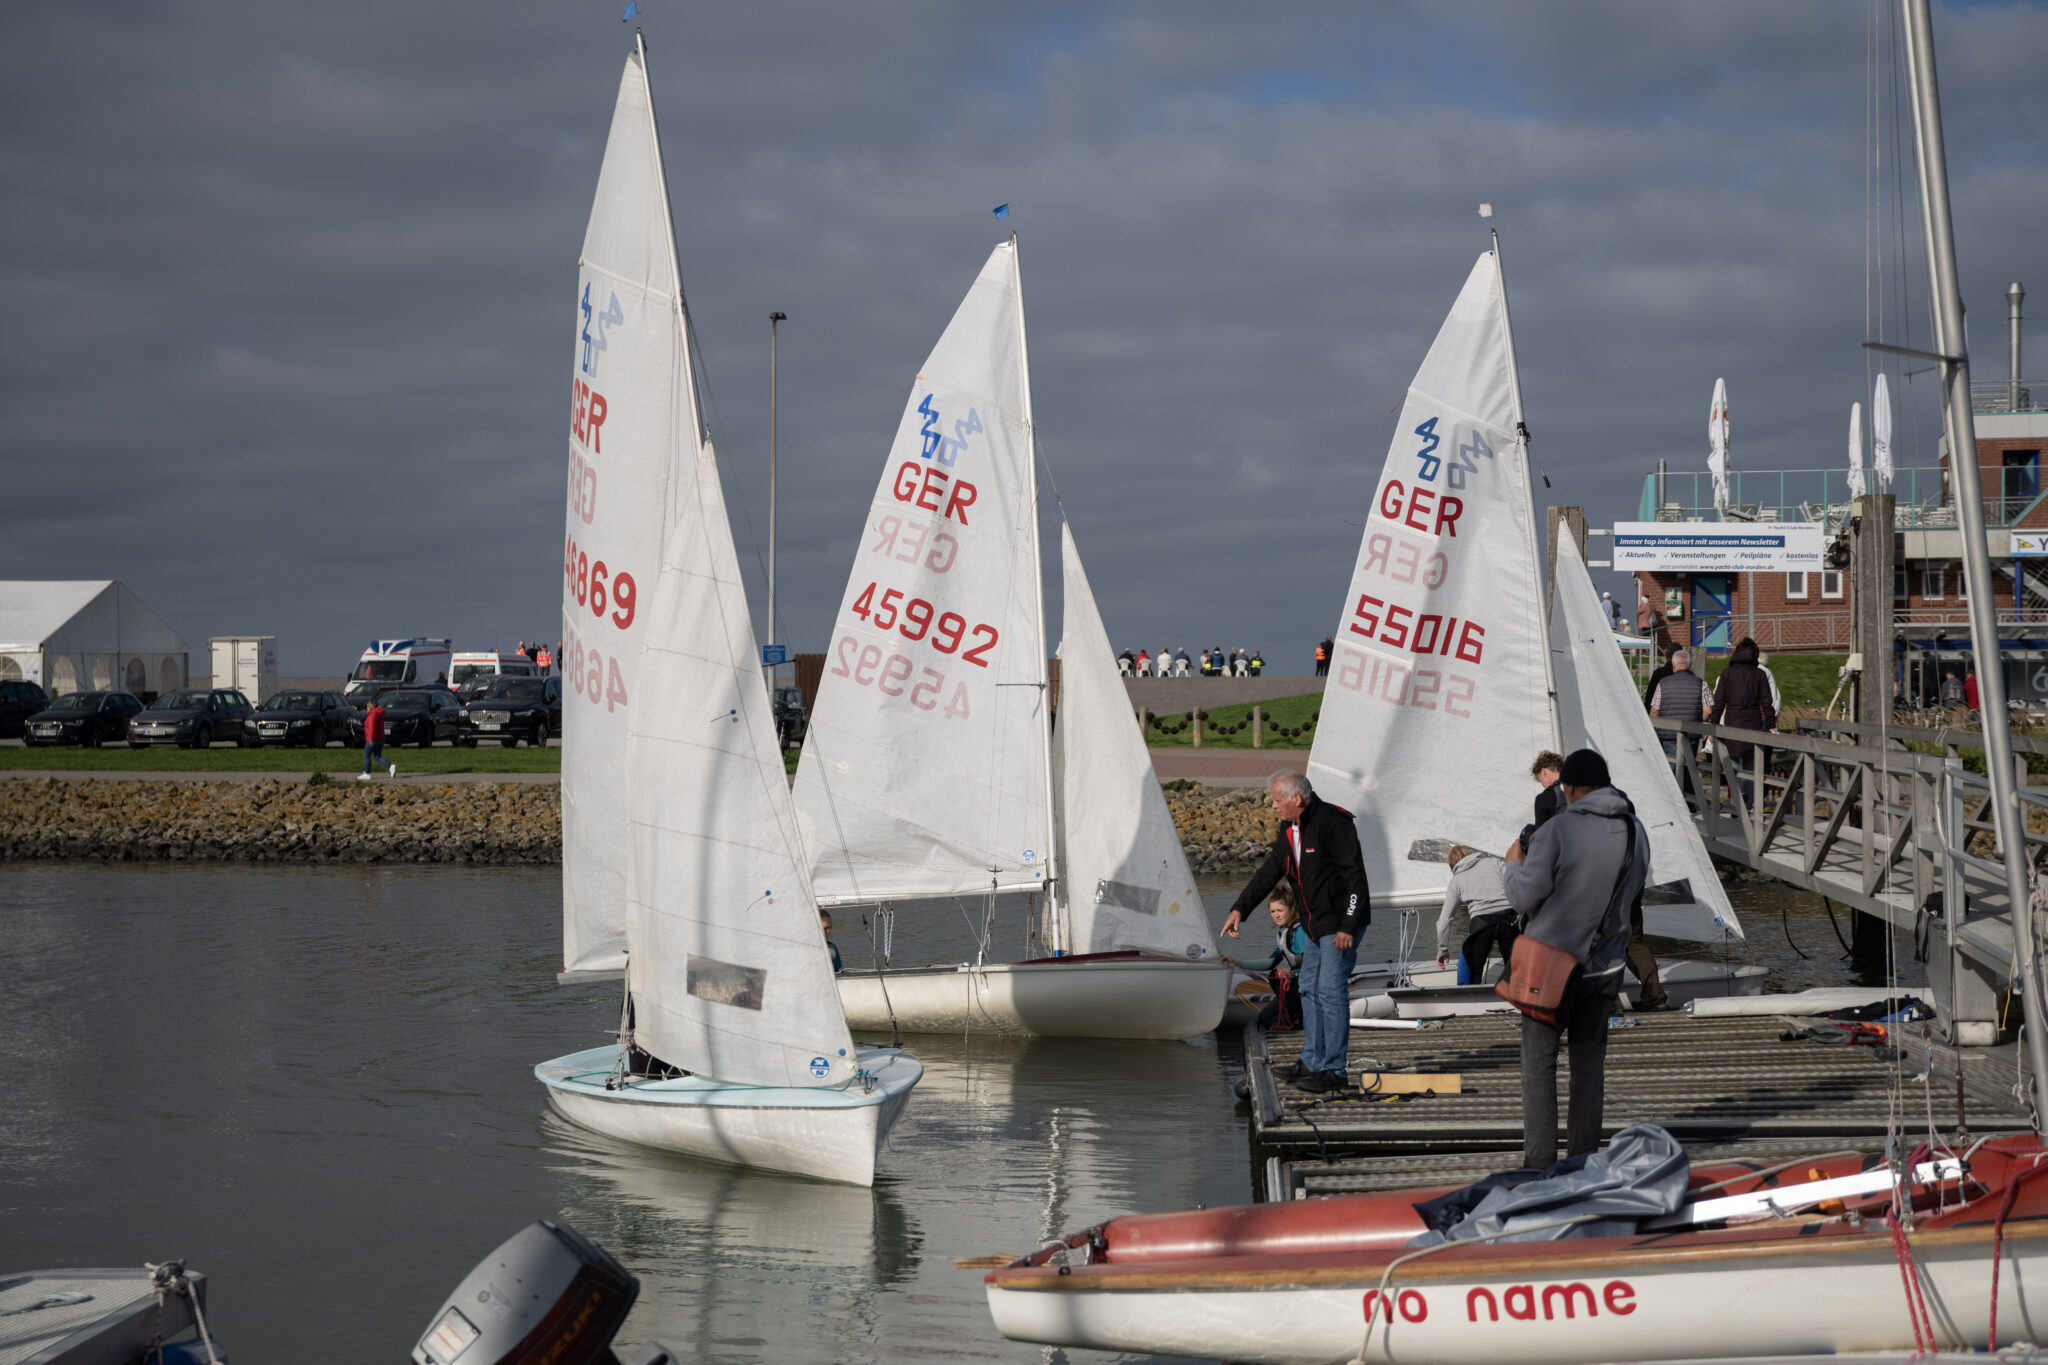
x: 729, y: 972
x: 924, y: 770
x: 1599, y: 708
x: 1127, y: 878
x: 1439, y: 694
x: 633, y: 414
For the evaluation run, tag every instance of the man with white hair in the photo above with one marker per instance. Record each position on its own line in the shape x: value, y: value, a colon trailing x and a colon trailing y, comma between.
x: 1317, y: 850
x: 1611, y: 610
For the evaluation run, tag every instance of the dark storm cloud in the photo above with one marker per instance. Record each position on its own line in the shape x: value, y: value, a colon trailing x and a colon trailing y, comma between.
x: 290, y: 286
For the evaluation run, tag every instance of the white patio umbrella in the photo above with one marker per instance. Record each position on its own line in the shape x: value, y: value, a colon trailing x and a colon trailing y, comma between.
x: 1855, y: 450
x: 1717, y: 437
x: 1881, y: 434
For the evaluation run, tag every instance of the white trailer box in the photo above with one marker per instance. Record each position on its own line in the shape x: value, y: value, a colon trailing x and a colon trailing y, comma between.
x: 247, y: 663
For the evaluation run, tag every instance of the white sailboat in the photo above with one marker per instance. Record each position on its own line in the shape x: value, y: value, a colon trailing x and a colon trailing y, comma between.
x: 1448, y: 679
x: 734, y: 1048
x: 1440, y: 691
x: 928, y: 773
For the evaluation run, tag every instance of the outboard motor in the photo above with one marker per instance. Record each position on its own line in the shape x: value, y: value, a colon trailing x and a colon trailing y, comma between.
x: 548, y: 1294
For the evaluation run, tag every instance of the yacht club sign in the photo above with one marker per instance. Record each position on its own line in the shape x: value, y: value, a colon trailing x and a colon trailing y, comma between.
x: 1718, y: 547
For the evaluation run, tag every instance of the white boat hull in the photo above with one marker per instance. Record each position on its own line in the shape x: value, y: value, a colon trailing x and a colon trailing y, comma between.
x: 1814, y: 1301
x: 826, y: 1134
x: 1121, y: 997
x: 1684, y: 981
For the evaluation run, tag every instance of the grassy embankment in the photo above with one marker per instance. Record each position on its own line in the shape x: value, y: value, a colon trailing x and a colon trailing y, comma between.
x: 231, y: 760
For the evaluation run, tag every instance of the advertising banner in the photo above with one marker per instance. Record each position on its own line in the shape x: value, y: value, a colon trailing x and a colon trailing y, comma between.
x: 1718, y: 547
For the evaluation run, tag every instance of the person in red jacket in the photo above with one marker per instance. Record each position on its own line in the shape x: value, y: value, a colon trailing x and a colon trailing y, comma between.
x: 1970, y: 689
x: 373, y: 740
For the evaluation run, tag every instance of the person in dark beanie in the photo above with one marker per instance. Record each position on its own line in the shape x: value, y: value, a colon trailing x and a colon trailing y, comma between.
x: 1584, y: 870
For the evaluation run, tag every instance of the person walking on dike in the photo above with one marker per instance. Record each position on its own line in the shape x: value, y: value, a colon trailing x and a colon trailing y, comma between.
x: 1611, y: 609
x: 1323, y: 658
x: 1583, y: 870
x: 1317, y: 849
x: 373, y: 740
x: 1679, y: 695
x: 1646, y: 615
x: 1476, y: 883
x: 1282, y: 1013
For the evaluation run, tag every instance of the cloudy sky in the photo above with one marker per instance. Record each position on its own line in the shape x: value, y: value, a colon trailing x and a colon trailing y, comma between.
x: 290, y: 287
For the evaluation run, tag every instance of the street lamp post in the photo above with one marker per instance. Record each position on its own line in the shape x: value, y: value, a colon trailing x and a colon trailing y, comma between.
x: 773, y: 319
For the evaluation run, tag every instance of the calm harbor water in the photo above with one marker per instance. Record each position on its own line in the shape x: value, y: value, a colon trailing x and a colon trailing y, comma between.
x: 316, y: 1083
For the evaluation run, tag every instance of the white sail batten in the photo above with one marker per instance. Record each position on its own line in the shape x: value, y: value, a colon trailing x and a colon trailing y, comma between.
x: 924, y: 769
x: 633, y: 416
x: 728, y: 967
x: 1127, y: 877
x: 1602, y: 710
x: 1438, y: 695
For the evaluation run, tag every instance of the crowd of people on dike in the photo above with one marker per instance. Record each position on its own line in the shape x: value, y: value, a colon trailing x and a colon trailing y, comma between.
x: 1562, y: 901
x: 1175, y: 663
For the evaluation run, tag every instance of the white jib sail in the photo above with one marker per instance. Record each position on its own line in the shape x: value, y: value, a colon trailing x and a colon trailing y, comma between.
x: 633, y: 417
x: 924, y: 766
x: 728, y: 966
x: 1438, y: 696
x: 1127, y: 878
x: 1600, y: 708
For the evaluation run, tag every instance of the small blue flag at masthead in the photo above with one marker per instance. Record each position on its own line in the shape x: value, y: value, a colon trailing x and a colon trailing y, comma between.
x: 632, y: 8
x: 1002, y: 210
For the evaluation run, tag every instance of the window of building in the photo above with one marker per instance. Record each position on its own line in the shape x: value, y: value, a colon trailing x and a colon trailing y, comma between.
x: 1795, y: 585
x: 1933, y: 582
x: 1831, y: 583
x: 2022, y: 475
x: 1899, y: 584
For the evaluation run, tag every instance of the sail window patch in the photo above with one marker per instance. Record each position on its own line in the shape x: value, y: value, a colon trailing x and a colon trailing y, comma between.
x: 1144, y: 900
x: 726, y: 983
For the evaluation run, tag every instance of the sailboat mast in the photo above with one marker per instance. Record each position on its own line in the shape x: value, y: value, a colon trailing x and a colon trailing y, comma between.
x: 1507, y: 332
x: 1054, y: 899
x: 1951, y: 345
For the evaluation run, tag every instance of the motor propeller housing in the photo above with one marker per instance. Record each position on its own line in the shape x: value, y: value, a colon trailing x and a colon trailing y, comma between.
x: 548, y: 1293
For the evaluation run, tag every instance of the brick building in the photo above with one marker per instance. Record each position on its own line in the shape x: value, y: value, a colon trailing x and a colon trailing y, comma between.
x: 1810, y: 612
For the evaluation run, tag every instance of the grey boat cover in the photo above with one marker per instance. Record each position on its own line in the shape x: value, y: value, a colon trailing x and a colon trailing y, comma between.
x: 1643, y: 1173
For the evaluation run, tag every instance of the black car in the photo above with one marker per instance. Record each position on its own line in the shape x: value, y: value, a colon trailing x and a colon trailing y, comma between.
x: 193, y: 718
x: 308, y: 718
x: 511, y: 709
x: 791, y: 720
x: 413, y: 715
x: 87, y: 719
x: 18, y: 701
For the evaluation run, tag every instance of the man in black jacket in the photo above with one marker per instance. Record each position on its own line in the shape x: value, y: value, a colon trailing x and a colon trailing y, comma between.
x: 1317, y: 850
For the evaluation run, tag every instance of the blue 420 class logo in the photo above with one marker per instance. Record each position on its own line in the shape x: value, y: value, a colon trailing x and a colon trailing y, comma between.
x: 1468, y: 453
x: 937, y: 445
x: 820, y: 1067
x: 594, y: 346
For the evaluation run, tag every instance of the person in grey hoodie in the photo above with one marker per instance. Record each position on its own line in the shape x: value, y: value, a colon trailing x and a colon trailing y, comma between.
x: 1476, y: 884
x: 1583, y: 871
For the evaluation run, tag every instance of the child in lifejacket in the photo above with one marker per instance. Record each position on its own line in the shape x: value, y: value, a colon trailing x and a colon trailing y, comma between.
x: 1290, y: 940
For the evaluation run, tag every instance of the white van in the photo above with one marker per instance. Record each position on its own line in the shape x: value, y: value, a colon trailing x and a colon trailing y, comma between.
x: 417, y: 661
x: 497, y: 663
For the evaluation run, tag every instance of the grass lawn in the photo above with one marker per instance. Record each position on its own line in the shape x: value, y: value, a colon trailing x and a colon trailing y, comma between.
x: 1282, y: 713
x: 226, y: 759
x: 1803, y: 679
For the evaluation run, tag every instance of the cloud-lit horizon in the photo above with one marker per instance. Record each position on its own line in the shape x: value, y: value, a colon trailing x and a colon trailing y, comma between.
x: 293, y: 287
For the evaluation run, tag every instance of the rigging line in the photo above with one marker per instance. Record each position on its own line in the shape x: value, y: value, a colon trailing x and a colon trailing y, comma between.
x: 700, y: 371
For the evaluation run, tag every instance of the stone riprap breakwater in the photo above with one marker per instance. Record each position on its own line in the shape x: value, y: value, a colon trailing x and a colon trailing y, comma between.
x: 1223, y: 828
x: 280, y: 822
x: 472, y: 822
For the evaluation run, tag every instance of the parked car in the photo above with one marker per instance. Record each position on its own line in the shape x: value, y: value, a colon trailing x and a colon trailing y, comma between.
x: 791, y: 720
x: 18, y: 701
x: 413, y: 715
x: 308, y: 718
x: 193, y: 718
x: 87, y: 719
x: 511, y: 709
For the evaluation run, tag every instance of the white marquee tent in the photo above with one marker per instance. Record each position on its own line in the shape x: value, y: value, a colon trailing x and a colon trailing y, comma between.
x: 75, y: 636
